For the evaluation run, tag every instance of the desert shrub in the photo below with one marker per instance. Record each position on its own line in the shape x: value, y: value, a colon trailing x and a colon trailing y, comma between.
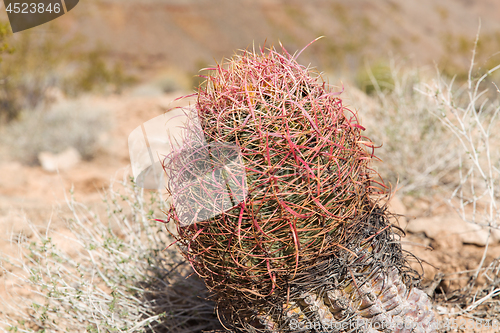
x: 417, y: 151
x: 39, y: 61
x: 117, y: 276
x: 4, y: 33
x: 5, y: 112
x: 93, y: 73
x: 440, y: 134
x: 372, y: 79
x: 73, y: 123
x: 471, y: 118
x: 470, y: 113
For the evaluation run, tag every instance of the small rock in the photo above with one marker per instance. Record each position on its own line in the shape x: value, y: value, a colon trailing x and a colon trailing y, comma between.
x: 437, y: 226
x: 62, y: 161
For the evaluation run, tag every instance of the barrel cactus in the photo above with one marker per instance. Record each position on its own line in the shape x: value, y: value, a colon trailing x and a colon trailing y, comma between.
x: 308, y: 247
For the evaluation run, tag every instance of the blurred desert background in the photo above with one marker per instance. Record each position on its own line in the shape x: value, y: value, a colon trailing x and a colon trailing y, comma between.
x: 72, y: 90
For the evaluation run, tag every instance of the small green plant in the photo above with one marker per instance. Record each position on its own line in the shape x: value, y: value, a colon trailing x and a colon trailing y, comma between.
x: 95, y: 74
x: 4, y: 33
x: 117, y: 275
x: 5, y: 112
x: 375, y: 78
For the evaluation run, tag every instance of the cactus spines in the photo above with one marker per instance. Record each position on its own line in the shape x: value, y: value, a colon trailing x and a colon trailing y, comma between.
x: 309, y: 244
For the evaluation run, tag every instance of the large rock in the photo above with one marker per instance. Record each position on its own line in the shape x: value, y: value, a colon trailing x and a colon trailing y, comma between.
x: 62, y: 161
x: 439, y: 226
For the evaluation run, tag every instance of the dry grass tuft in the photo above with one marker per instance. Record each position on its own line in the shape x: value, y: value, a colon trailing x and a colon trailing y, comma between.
x: 72, y: 123
x: 117, y: 275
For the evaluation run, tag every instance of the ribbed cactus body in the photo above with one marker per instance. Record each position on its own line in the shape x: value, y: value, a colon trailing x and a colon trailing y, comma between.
x: 382, y: 304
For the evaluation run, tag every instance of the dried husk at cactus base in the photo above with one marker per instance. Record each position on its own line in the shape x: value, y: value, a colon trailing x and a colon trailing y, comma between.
x: 310, y: 220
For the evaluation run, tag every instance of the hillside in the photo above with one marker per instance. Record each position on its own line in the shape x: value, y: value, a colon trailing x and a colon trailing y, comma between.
x: 188, y: 34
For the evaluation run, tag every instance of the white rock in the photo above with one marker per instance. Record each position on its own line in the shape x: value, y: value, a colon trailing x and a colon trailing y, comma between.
x: 62, y: 161
x: 467, y: 232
